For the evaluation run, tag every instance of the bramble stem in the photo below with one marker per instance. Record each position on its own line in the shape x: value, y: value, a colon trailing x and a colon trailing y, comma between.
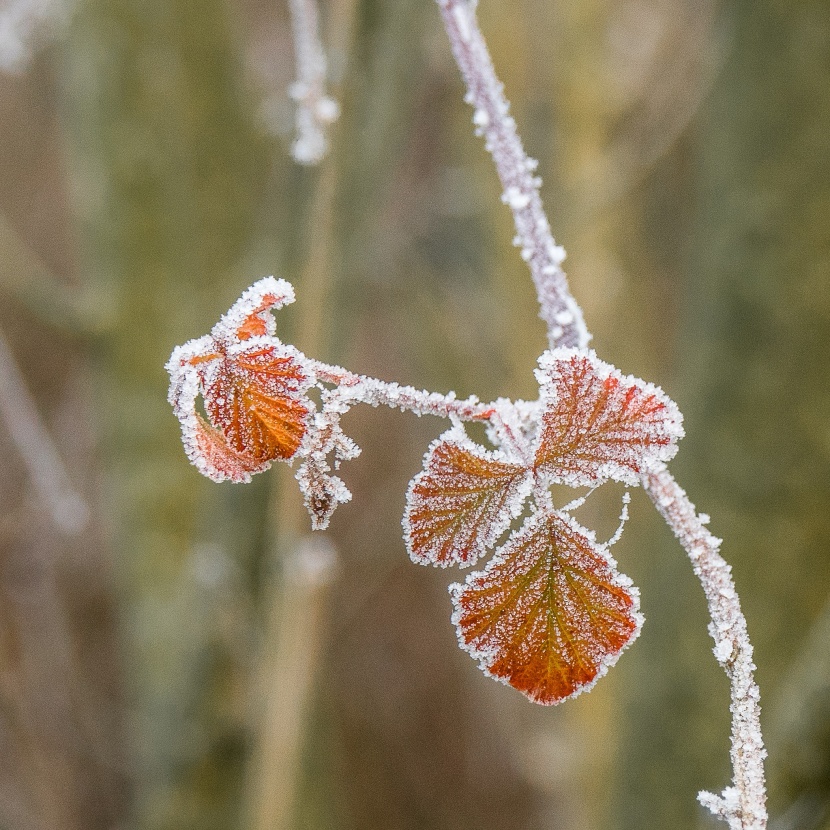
x: 744, y: 805
x: 561, y: 313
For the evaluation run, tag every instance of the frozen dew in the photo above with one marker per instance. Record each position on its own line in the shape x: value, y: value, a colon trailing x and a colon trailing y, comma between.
x: 462, y: 502
x: 515, y: 198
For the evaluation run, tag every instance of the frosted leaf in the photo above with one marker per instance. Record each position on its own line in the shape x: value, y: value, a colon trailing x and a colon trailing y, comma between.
x: 254, y: 395
x: 252, y: 385
x: 250, y: 315
x: 600, y: 424
x: 462, y: 502
x: 550, y: 613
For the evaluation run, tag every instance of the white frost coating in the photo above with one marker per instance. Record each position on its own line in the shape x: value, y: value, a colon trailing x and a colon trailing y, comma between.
x: 355, y: 388
x: 516, y: 200
x: 322, y: 491
x: 197, y: 365
x: 280, y: 293
x: 462, y: 20
x: 485, y: 656
x: 742, y: 805
x: 623, y: 520
x: 315, y: 109
x: 515, y: 170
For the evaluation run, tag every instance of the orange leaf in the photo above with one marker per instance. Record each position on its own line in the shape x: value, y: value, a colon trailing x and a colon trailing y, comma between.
x: 600, y: 424
x: 216, y: 459
x: 463, y: 500
x: 254, y: 396
x: 550, y: 612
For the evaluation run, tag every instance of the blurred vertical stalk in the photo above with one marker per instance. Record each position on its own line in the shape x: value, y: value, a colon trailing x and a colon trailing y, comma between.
x: 165, y: 167
x: 296, y: 633
x: 297, y: 615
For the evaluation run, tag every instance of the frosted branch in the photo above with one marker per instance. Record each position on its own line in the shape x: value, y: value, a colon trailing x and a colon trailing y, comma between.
x: 743, y: 805
x: 66, y: 506
x: 559, y: 310
x: 315, y: 110
x: 353, y: 388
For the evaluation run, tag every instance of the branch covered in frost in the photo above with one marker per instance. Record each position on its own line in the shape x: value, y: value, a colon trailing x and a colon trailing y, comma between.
x: 64, y: 504
x: 743, y: 805
x: 315, y: 109
x: 559, y: 310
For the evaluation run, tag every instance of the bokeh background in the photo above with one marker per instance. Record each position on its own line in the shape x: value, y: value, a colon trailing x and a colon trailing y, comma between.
x: 185, y: 658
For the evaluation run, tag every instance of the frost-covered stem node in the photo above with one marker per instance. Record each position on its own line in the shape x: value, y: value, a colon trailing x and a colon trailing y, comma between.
x: 743, y: 805
x: 561, y: 313
x: 315, y: 109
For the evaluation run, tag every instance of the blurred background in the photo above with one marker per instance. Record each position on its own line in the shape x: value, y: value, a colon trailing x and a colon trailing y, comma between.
x: 176, y: 654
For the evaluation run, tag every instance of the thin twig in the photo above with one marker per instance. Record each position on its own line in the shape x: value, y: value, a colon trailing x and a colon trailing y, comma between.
x: 315, y: 109
x: 68, y: 509
x: 353, y: 387
x: 559, y: 310
x: 743, y: 806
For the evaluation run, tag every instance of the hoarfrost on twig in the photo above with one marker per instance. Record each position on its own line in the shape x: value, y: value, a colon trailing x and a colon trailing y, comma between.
x: 743, y: 806
x: 521, y: 188
x: 315, y: 109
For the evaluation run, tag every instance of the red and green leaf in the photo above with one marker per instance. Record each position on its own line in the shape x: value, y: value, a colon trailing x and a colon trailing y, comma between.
x: 550, y: 612
x: 599, y: 424
x: 462, y: 502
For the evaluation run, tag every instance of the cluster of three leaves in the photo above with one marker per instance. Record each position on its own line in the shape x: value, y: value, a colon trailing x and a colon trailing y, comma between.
x: 550, y: 612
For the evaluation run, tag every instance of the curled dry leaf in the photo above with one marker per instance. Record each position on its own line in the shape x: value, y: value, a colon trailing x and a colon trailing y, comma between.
x: 252, y: 385
x: 550, y: 612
